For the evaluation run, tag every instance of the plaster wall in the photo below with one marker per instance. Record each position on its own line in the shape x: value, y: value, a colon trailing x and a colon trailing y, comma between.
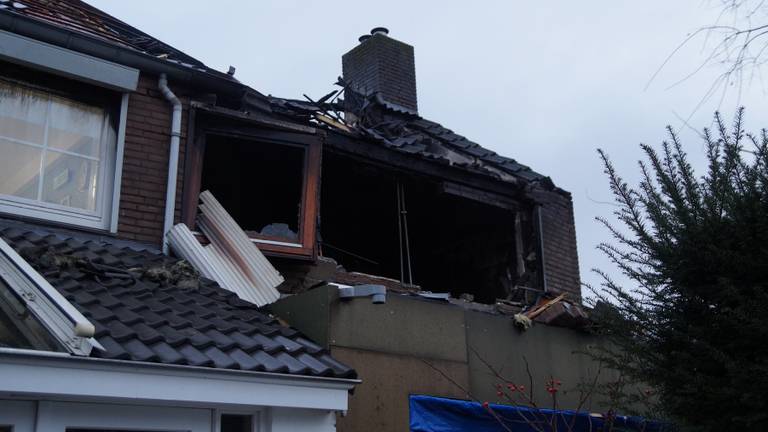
x: 414, y: 346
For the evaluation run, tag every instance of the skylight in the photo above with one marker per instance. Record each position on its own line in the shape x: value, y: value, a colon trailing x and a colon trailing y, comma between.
x: 64, y: 324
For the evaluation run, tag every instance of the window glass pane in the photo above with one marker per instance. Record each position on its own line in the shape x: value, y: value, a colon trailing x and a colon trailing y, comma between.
x: 19, y: 169
x: 75, y: 127
x: 236, y: 423
x: 22, y: 113
x: 70, y: 180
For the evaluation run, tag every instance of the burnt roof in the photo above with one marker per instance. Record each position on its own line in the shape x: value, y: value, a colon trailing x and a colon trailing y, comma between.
x: 83, y: 18
x: 403, y: 130
x: 387, y: 124
x: 80, y: 17
x: 142, y: 314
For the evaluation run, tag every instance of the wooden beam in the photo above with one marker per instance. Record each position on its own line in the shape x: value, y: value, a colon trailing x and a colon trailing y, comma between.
x: 379, y: 155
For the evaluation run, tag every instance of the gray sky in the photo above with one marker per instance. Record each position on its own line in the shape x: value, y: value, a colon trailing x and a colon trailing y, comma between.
x: 545, y: 83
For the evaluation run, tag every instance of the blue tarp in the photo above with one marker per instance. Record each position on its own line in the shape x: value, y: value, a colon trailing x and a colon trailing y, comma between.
x: 433, y: 414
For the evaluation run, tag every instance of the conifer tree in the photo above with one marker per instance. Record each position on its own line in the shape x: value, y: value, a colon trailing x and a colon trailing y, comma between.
x: 693, y: 325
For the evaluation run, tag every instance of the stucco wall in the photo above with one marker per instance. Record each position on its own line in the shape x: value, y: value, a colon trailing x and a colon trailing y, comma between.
x: 414, y: 346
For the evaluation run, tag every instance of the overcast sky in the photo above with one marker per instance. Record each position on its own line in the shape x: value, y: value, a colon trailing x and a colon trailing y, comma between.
x: 545, y: 83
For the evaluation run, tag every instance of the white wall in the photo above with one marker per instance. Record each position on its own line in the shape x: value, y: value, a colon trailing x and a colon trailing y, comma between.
x: 290, y: 420
x: 57, y: 416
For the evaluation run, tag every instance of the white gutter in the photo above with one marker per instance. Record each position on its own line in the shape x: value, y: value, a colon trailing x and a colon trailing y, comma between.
x: 34, y: 375
x: 173, y: 158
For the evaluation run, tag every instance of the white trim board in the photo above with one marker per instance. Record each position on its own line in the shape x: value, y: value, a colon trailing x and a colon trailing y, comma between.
x: 24, y: 375
x: 72, y: 64
x: 61, y: 416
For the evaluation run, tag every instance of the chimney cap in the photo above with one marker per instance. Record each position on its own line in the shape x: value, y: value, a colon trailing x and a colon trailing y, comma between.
x: 363, y: 38
x: 380, y: 30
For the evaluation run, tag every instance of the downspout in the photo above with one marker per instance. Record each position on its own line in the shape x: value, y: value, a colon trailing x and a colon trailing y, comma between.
x: 173, y: 158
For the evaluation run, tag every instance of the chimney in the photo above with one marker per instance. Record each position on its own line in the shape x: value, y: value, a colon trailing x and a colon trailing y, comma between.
x: 382, y: 64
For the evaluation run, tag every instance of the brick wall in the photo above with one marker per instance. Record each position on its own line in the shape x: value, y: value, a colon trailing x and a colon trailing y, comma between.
x: 559, y: 239
x: 385, y: 65
x: 145, y: 164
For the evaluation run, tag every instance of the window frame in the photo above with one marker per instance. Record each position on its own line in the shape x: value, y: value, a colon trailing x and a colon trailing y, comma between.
x: 105, y: 215
x: 62, y: 320
x: 61, y: 416
x: 257, y: 419
x: 201, y: 127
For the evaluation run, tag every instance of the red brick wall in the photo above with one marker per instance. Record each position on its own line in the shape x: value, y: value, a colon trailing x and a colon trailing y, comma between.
x: 145, y: 164
x: 559, y: 240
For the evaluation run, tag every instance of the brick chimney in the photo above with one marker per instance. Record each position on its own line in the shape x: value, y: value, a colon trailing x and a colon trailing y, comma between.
x: 382, y: 64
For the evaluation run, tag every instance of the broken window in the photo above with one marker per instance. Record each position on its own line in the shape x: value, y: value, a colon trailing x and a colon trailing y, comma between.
x: 259, y: 183
x: 267, y: 180
x: 428, y: 233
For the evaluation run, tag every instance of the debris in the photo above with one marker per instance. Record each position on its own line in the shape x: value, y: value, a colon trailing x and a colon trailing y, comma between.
x: 231, y: 258
x: 522, y: 321
x: 279, y: 230
x: 565, y: 314
x: 538, y: 309
x: 331, y: 122
x: 467, y: 297
x: 181, y: 274
x: 357, y: 278
x: 433, y: 295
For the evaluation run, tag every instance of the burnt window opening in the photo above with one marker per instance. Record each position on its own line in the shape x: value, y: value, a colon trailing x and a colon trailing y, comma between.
x: 259, y: 183
x: 456, y: 244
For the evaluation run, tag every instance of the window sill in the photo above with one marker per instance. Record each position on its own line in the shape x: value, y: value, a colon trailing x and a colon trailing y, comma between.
x: 274, y: 247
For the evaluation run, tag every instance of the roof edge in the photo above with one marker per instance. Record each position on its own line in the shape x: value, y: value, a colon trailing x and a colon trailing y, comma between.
x: 99, y: 364
x: 86, y: 44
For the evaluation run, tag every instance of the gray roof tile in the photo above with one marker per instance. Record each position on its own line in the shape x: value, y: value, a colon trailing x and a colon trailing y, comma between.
x: 139, y: 319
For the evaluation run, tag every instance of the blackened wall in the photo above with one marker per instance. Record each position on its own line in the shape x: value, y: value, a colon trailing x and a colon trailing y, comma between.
x: 559, y: 244
x: 145, y: 163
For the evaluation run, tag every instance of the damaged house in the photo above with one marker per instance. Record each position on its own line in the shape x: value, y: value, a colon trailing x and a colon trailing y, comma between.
x: 99, y: 330
x: 153, y: 210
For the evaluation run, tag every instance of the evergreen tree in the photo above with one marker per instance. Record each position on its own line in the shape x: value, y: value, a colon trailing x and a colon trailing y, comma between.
x: 694, y: 327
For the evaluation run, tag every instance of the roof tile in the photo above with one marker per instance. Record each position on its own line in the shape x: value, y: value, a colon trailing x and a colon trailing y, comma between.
x: 139, y: 319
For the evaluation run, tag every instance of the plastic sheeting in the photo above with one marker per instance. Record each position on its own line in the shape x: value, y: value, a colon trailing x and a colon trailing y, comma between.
x: 433, y: 414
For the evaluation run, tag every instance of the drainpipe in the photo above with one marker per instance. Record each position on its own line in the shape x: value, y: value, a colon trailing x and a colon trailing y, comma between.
x: 173, y: 158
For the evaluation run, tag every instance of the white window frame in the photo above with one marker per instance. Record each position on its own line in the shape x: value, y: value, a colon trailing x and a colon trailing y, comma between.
x: 65, y: 323
x: 60, y: 416
x: 105, y: 215
x: 96, y: 71
x: 257, y: 423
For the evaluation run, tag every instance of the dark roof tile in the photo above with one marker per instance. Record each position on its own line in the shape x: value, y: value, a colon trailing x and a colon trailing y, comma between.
x: 318, y: 367
x: 270, y: 363
x: 194, y: 357
x: 221, y: 340
x: 243, y: 359
x: 112, y: 348
x: 385, y: 124
x: 141, y: 320
x: 220, y: 359
x: 120, y: 332
x: 167, y: 353
x: 140, y: 352
x: 294, y: 365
